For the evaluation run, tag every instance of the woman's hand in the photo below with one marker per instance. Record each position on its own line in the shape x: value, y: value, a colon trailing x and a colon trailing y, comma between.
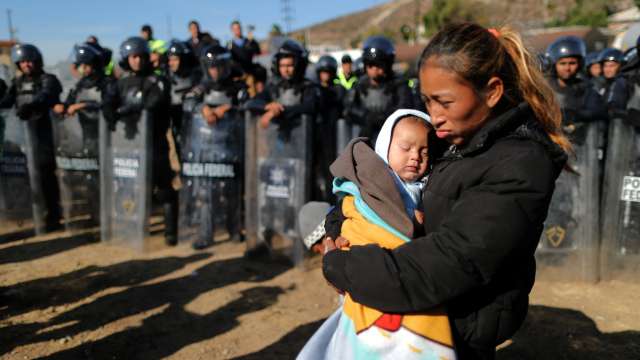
x: 328, y: 244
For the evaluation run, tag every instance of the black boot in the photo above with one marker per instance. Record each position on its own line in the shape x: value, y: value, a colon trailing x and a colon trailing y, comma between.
x: 171, y: 223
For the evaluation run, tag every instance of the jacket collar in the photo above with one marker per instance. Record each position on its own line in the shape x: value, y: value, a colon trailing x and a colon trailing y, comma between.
x: 516, y: 123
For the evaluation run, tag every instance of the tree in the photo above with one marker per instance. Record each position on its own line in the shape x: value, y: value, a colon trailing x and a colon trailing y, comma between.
x: 445, y: 12
x: 592, y: 13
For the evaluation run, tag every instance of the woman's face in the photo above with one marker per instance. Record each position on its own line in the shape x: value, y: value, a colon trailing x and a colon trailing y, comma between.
x: 456, y: 110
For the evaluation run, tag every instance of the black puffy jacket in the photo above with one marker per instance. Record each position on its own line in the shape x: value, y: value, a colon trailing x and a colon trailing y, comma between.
x: 484, y: 208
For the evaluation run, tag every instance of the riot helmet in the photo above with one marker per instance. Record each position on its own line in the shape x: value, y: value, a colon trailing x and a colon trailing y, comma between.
x: 218, y: 57
x: 379, y: 51
x: 611, y: 54
x: 544, y: 61
x: 327, y: 63
x: 295, y: 50
x: 26, y: 52
x: 567, y: 46
x: 88, y: 54
x: 134, y: 45
x: 184, y: 52
x: 611, y: 60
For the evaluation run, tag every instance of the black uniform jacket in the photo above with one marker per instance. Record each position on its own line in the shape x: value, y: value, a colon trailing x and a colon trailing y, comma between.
x: 484, y: 208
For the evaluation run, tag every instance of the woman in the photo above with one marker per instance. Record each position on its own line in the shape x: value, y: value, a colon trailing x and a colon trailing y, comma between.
x: 486, y: 199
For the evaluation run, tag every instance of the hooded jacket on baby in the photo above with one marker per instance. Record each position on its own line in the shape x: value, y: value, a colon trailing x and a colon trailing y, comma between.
x: 374, y: 213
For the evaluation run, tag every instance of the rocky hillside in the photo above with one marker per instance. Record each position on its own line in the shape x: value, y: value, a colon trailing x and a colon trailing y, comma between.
x: 349, y: 30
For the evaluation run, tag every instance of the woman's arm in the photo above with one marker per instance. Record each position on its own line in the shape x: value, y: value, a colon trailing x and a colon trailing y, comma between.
x: 486, y: 230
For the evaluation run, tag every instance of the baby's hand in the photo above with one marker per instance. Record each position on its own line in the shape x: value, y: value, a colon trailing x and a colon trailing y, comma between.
x: 419, y: 216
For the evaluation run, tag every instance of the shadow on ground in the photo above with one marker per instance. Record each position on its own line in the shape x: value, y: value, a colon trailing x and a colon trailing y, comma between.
x: 170, y: 328
x: 565, y: 334
x: 32, y: 250
x: 548, y: 333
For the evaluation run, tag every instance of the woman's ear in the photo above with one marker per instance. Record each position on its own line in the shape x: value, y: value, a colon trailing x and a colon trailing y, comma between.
x: 494, y: 92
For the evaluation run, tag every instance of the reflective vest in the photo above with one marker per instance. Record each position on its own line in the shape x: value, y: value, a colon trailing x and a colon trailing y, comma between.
x: 346, y: 83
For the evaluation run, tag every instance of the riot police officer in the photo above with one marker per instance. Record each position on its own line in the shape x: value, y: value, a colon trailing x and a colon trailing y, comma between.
x: 289, y: 94
x: 593, y: 70
x: 380, y: 92
x: 331, y: 94
x: 141, y: 89
x: 611, y: 60
x: 76, y: 125
x: 220, y: 143
x: 184, y: 74
x: 623, y: 88
x: 579, y: 101
x: 33, y: 94
x: 89, y: 63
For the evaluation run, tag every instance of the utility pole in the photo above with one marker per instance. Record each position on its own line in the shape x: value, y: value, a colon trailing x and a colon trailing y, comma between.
x: 169, y: 26
x: 287, y: 15
x: 12, y: 30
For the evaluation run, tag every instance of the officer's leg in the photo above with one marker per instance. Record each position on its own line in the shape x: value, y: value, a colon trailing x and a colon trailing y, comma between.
x: 51, y: 193
x: 162, y: 176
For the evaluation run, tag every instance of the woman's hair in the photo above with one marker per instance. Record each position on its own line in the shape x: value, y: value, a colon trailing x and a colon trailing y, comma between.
x: 477, y: 54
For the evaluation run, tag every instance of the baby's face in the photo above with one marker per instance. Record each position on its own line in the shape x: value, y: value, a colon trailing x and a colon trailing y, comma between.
x: 408, y: 154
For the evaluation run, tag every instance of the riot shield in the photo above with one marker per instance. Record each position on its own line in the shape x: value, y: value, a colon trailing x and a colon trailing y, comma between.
x: 125, y: 167
x: 620, y: 254
x: 568, y: 248
x: 36, y: 157
x: 211, y: 174
x: 76, y: 148
x: 278, y: 166
x: 16, y: 212
x: 343, y: 135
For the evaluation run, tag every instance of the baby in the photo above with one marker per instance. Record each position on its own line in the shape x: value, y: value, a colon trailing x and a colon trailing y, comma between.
x: 380, y: 194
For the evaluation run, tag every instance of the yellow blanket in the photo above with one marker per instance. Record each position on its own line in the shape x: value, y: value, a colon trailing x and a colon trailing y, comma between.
x: 433, y: 325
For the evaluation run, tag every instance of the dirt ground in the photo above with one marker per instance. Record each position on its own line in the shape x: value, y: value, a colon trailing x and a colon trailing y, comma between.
x: 67, y: 296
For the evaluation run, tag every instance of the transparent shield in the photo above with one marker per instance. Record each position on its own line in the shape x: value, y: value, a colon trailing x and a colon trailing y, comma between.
x: 283, y: 175
x: 620, y: 254
x: 568, y: 248
x: 126, y: 156
x: 211, y: 196
x: 76, y: 149
x: 16, y: 212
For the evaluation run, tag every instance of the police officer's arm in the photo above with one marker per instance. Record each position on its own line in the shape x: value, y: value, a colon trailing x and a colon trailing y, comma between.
x: 9, y: 98
x: 307, y: 105
x: 354, y: 111
x: 618, y: 97
x: 470, y: 249
x: 49, y: 93
x: 110, y: 101
x: 157, y: 94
